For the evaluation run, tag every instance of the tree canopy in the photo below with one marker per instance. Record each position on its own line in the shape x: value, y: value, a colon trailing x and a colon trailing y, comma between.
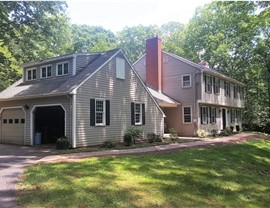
x: 232, y: 36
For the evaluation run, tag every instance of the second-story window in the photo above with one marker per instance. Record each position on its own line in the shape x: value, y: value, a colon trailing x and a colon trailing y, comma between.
x: 61, y: 69
x: 46, y: 71
x: 31, y: 74
x: 216, y: 82
x: 186, y: 80
x: 227, y: 89
x: 208, y: 83
x: 236, y: 90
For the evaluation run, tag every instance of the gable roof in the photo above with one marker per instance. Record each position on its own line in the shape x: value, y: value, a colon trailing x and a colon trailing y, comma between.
x: 61, y: 85
x: 199, y: 67
x: 204, y: 69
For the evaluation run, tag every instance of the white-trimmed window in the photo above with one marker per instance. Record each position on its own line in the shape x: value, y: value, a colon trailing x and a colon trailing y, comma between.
x: 204, y: 115
x: 45, y: 71
x: 208, y: 83
x: 187, y: 112
x: 236, y: 91
x: 138, y: 113
x: 100, y: 112
x: 62, y: 69
x: 186, y: 80
x: 216, y: 85
x: 213, y: 114
x: 120, y: 68
x: 31, y: 74
x: 227, y: 89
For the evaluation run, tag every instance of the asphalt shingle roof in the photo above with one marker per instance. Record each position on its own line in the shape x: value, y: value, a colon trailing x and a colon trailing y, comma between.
x: 56, y: 86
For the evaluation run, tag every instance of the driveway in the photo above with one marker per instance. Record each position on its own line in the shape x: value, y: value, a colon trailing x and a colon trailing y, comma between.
x: 13, y: 159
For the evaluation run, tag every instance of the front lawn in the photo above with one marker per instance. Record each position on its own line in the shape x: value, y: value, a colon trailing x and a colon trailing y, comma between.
x: 224, y: 176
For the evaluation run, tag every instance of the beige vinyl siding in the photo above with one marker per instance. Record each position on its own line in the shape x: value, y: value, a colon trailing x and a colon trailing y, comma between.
x: 121, y: 93
x: 64, y: 100
x: 221, y: 99
x: 53, y: 65
x: 12, y: 133
x: 140, y: 67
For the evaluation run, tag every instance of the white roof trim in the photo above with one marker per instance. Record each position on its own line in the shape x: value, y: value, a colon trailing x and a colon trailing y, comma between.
x: 204, y: 69
x: 139, y: 59
x: 87, y: 78
x: 132, y: 68
x: 56, y: 59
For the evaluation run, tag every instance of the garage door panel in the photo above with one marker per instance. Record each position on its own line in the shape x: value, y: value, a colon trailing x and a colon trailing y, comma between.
x: 12, y: 128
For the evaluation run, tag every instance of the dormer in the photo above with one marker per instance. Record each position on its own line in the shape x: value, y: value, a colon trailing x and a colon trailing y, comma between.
x: 60, y: 67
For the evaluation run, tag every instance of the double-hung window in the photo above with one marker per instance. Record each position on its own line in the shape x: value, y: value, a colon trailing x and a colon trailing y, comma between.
x: 31, y: 74
x: 236, y: 91
x: 187, y: 114
x: 227, y: 89
x: 46, y: 71
x: 208, y: 83
x: 62, y: 68
x: 137, y: 113
x: 204, y: 115
x: 186, y: 80
x: 99, y: 112
x: 216, y: 83
x: 212, y: 115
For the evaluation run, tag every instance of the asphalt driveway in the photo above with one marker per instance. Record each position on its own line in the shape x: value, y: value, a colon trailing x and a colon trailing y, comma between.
x: 13, y: 159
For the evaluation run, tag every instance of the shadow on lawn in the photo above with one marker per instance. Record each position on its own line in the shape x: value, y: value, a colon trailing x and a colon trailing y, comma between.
x: 235, y: 176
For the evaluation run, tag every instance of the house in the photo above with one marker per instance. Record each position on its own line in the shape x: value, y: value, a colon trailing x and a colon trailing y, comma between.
x: 88, y: 97
x: 201, y: 97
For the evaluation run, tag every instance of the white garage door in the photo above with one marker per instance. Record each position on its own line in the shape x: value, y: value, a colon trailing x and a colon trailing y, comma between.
x: 12, y: 128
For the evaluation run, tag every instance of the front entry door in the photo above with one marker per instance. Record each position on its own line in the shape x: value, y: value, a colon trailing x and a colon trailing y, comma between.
x: 224, y: 118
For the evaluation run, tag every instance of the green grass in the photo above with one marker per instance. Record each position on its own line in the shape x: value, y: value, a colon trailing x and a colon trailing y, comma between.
x: 224, y: 176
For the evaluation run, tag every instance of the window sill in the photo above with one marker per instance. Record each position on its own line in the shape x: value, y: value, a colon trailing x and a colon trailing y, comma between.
x: 186, y: 87
x: 100, y: 125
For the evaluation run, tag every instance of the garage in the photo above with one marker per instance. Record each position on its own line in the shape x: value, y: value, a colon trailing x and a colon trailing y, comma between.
x: 13, y: 126
x: 49, y: 123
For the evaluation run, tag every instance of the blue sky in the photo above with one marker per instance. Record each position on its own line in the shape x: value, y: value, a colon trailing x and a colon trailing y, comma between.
x: 116, y: 14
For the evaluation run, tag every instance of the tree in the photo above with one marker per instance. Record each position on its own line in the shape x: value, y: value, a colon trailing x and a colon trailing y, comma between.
x: 30, y: 31
x: 87, y: 38
x: 234, y: 38
x: 132, y: 40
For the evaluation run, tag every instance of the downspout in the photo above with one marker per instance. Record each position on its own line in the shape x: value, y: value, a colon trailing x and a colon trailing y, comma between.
x: 195, y: 103
x: 74, y: 119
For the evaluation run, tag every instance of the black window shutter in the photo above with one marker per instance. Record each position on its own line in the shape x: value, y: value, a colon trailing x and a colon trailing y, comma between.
x: 201, y: 115
x: 92, y: 112
x: 107, y: 112
x: 143, y: 114
x: 205, y: 85
x: 210, y: 115
x: 132, y: 114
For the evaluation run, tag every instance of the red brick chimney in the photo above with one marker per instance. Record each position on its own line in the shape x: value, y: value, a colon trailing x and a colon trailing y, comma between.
x: 154, y: 62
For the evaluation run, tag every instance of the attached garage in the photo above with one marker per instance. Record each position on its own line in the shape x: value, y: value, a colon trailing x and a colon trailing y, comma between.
x: 12, y: 126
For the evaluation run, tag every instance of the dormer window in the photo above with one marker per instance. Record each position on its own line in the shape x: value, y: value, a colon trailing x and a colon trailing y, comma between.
x: 46, y: 71
x: 62, y: 69
x: 31, y: 74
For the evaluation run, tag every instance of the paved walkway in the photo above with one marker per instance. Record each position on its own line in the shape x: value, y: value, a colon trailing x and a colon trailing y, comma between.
x: 238, y: 138
x: 13, y: 159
